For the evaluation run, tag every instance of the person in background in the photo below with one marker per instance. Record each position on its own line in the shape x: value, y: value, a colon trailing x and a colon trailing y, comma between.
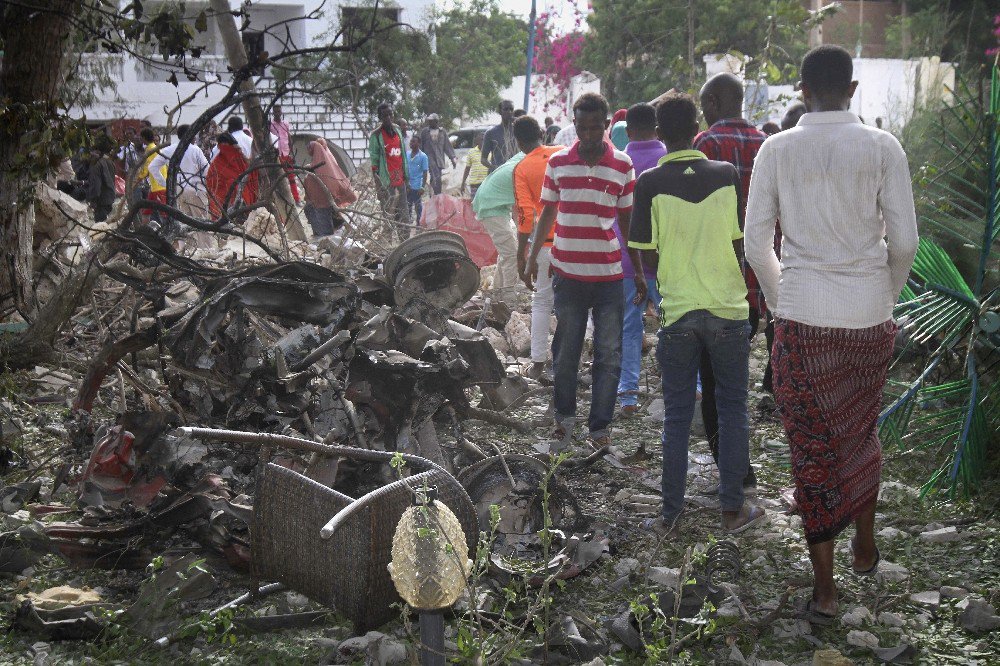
x: 280, y: 129
x: 618, y: 134
x: 686, y: 222
x: 155, y: 190
x: 475, y: 170
x: 100, y: 183
x: 645, y: 151
x: 499, y: 144
x: 243, y: 138
x: 792, y: 115
x: 419, y: 167
x: 492, y: 206
x: 849, y: 230
x: 551, y: 129
x: 585, y: 186
x: 191, y: 198
x: 228, y: 179
x: 566, y: 136
x: 519, y: 112
x: 529, y: 177
x: 729, y: 138
x: 437, y: 146
x: 327, y: 188
x: 770, y: 127
x: 390, y: 167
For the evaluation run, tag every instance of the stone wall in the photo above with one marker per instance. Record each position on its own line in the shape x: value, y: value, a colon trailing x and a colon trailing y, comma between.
x: 313, y: 114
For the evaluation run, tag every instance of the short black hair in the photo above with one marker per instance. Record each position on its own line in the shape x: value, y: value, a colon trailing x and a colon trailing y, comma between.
x: 520, y: 112
x: 641, y: 117
x: 227, y: 138
x: 235, y: 123
x: 147, y: 134
x: 827, y: 69
x: 182, y: 131
x: 526, y: 129
x: 505, y: 102
x: 590, y: 102
x: 382, y: 107
x: 677, y: 117
x: 792, y: 115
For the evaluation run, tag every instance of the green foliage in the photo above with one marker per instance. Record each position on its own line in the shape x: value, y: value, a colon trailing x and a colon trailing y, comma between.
x: 640, y: 48
x: 943, y: 310
x: 955, y: 31
x: 474, y: 51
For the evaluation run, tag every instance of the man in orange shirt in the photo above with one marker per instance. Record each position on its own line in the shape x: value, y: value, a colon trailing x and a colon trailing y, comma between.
x: 528, y: 177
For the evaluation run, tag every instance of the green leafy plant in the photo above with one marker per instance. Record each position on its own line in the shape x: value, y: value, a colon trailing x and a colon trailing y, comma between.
x: 951, y: 307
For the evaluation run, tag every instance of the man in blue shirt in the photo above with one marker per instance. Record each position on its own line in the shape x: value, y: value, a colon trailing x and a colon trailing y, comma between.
x: 419, y: 166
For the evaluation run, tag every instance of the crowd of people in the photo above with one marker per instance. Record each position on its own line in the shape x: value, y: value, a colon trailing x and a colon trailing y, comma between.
x: 214, y: 176
x: 620, y: 215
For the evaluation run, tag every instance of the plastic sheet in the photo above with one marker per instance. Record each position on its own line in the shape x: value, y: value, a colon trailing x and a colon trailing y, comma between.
x: 448, y: 213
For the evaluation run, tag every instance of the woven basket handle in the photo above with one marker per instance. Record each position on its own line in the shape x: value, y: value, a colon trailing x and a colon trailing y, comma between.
x: 341, y: 516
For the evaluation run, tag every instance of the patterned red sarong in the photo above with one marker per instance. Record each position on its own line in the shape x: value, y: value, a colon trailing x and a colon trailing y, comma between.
x: 828, y: 384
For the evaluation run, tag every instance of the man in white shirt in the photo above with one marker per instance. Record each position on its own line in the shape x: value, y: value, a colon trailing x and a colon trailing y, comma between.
x: 849, y: 235
x: 191, y: 198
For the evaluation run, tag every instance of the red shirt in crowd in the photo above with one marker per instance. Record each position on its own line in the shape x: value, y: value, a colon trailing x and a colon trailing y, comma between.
x: 393, y: 157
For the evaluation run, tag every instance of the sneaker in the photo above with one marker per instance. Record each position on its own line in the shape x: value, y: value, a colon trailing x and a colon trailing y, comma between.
x: 534, y: 371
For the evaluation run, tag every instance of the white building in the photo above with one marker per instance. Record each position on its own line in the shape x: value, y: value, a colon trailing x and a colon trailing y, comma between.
x: 142, y: 90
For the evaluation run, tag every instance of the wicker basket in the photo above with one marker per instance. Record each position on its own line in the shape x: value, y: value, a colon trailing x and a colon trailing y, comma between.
x: 346, y: 571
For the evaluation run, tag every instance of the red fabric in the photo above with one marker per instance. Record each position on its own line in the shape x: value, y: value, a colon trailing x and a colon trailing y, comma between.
x: 160, y: 196
x: 293, y: 183
x: 828, y: 385
x: 328, y: 179
x: 393, y: 157
x: 736, y: 141
x: 619, y: 116
x: 447, y: 213
x: 224, y: 170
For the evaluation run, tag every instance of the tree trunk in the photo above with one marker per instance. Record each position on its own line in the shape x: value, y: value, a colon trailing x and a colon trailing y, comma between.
x: 34, y: 40
x: 271, y: 176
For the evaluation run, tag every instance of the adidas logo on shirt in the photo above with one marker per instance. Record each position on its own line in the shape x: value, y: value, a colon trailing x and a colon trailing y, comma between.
x: 689, y: 171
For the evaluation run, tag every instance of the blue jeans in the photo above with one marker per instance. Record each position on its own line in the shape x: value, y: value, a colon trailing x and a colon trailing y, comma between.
x: 574, y: 300
x: 632, y: 334
x: 727, y: 342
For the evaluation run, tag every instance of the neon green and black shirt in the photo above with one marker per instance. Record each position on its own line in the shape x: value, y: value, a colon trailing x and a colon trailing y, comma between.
x: 687, y: 209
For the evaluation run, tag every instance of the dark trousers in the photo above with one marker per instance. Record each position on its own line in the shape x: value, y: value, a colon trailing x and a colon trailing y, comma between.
x: 435, y: 174
x: 709, y: 410
x: 414, y: 201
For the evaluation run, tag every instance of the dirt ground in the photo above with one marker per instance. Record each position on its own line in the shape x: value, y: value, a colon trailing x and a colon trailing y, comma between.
x: 941, y: 561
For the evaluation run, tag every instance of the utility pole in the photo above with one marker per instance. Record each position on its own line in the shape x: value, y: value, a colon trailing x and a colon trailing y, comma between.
x: 691, y: 37
x: 531, y: 57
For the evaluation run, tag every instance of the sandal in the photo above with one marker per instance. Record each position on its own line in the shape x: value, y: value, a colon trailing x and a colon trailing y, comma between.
x: 748, y: 516
x: 815, y: 616
x: 659, y: 527
x: 871, y: 571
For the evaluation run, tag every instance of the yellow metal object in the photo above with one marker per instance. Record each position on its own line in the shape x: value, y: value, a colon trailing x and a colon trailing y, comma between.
x: 430, y: 558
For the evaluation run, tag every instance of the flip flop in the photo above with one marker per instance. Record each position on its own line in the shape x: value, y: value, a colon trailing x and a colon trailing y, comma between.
x: 817, y: 617
x: 874, y: 567
x: 659, y: 527
x: 755, y: 515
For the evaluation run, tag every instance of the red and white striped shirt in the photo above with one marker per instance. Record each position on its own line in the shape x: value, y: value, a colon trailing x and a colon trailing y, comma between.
x: 588, y: 198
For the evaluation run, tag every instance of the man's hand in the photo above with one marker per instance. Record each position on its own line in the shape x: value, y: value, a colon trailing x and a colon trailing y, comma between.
x: 641, y: 290
x: 454, y: 164
x: 530, y: 273
x: 522, y: 263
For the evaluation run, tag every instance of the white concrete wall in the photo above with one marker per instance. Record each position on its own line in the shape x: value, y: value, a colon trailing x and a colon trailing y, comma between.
x: 546, y: 98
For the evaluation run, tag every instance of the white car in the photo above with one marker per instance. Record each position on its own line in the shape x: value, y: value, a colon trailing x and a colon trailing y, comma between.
x: 462, y: 141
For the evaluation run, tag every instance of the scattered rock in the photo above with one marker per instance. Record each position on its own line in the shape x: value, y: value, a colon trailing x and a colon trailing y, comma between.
x: 979, y: 616
x: 626, y: 566
x: 518, y: 330
x: 897, y: 489
x: 596, y: 661
x: 888, y: 619
x: 892, y: 573
x: 930, y: 599
x: 865, y: 639
x: 791, y: 628
x: 830, y: 658
x: 950, y: 592
x: 664, y: 576
x: 373, y: 648
x: 943, y: 535
x: 889, y: 533
x: 856, y: 617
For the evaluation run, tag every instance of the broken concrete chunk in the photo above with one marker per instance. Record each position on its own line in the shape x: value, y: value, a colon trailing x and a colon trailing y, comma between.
x: 930, y: 599
x: 979, y: 617
x: 890, y: 619
x: 865, y: 639
x: 943, y: 535
x: 892, y: 573
x: 856, y: 617
x: 950, y: 592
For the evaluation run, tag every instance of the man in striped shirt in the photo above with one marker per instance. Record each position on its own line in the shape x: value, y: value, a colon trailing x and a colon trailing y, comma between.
x: 585, y: 187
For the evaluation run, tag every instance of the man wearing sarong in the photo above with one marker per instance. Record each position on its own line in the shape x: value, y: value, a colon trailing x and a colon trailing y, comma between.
x: 849, y: 236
